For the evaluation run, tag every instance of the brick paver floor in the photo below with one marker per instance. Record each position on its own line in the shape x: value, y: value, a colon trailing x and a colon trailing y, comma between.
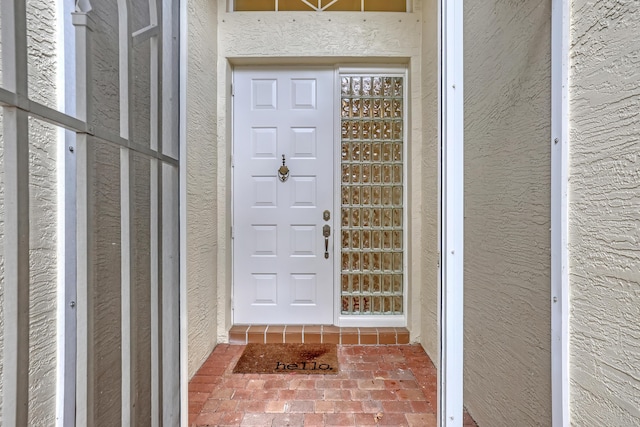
x: 393, y: 385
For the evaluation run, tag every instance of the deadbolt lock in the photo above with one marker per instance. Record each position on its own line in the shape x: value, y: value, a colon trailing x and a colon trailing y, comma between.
x: 326, y: 215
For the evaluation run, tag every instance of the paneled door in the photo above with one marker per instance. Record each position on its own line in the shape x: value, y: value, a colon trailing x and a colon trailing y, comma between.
x: 283, y: 140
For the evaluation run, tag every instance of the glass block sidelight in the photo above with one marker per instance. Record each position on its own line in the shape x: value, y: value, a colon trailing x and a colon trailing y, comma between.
x: 372, y: 114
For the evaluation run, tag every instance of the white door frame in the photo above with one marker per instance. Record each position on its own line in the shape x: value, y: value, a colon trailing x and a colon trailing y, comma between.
x: 451, y: 111
x: 560, y: 38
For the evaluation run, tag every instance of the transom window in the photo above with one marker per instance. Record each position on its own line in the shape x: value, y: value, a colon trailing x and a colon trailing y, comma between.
x: 320, y: 5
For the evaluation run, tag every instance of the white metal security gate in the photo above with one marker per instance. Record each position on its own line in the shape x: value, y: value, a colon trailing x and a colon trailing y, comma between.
x: 90, y: 322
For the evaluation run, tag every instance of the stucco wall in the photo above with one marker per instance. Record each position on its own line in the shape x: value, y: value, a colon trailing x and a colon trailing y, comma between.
x: 507, y: 212
x: 202, y: 176
x: 429, y: 322
x: 604, y: 221
x: 43, y: 273
x: 302, y: 38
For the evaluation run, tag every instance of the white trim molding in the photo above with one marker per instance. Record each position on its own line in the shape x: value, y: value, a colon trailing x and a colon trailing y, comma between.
x: 184, y: 318
x: 450, y: 405
x: 560, y: 26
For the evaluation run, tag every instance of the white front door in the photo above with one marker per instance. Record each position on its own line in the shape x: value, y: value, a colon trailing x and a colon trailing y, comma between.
x: 283, y: 265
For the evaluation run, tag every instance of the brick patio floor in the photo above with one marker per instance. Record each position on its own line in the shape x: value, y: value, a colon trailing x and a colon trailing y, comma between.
x: 393, y: 385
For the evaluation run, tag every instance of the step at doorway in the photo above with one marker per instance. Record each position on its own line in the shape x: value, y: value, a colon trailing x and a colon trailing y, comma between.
x: 244, y: 334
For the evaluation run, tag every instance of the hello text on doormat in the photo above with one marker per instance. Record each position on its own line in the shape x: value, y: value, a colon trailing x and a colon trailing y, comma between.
x: 288, y: 359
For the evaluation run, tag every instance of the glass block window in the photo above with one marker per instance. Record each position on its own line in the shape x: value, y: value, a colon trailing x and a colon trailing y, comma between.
x: 320, y: 5
x: 372, y: 234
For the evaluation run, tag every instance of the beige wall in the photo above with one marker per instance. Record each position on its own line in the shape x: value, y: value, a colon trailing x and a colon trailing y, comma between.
x: 507, y: 212
x: 428, y: 281
x: 202, y: 181
x: 604, y: 227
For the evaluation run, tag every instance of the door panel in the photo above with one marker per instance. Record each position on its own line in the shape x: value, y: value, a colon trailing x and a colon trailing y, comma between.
x: 281, y: 274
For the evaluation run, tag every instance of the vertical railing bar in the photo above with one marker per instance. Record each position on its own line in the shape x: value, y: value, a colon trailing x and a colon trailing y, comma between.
x: 128, y: 303
x: 67, y: 297
x: 170, y: 301
x: 16, y: 283
x: 16, y: 193
x: 181, y: 18
x: 68, y: 288
x: 560, y: 295
x: 128, y: 350
x: 155, y: 313
x: 85, y: 378
x: 124, y: 63
x: 160, y: 292
x: 14, y: 47
x: 169, y: 98
x: 154, y: 89
x: 164, y: 56
x: 168, y: 221
x: 451, y: 379
x: 155, y: 8
x: 70, y: 280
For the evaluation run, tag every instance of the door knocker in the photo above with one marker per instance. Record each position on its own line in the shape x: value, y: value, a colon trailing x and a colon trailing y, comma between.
x: 283, y: 171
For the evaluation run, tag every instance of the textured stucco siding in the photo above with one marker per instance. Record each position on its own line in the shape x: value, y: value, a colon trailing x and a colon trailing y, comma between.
x: 43, y: 273
x: 43, y: 208
x: 336, y: 38
x: 429, y: 322
x: 310, y: 35
x: 604, y: 220
x: 507, y: 212
x: 202, y: 176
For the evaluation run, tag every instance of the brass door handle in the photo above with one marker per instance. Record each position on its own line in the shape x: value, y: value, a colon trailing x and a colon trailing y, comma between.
x: 326, y: 232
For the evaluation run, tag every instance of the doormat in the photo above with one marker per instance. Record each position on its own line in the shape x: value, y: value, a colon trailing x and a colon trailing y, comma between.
x: 288, y: 359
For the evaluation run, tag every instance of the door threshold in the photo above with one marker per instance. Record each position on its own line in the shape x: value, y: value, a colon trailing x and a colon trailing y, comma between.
x: 244, y: 334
